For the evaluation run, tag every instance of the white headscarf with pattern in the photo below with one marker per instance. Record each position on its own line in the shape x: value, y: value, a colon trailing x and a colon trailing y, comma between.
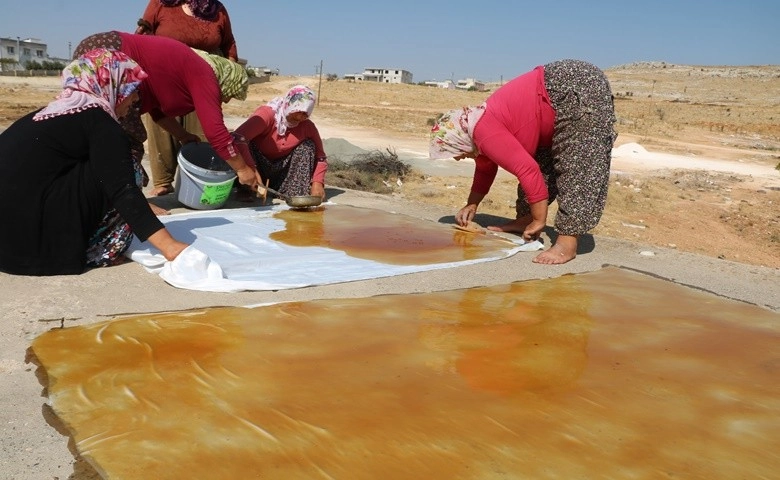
x: 453, y: 134
x: 100, y: 78
x: 300, y: 98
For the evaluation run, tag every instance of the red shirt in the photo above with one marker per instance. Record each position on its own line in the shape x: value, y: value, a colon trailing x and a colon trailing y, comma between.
x: 260, y: 129
x: 179, y: 82
x: 213, y: 36
x: 518, y: 119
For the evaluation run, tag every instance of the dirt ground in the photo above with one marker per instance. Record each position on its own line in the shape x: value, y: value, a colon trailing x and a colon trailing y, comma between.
x: 727, y: 114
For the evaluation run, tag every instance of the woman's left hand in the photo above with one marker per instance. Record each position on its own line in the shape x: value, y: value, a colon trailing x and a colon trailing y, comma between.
x: 538, y: 220
x: 318, y: 190
x: 533, y: 230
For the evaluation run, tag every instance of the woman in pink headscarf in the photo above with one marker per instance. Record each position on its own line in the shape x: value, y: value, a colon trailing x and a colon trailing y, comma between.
x: 285, y: 145
x: 70, y: 170
x: 553, y: 129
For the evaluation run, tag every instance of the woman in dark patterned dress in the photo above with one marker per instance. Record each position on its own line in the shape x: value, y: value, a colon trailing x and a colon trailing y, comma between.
x: 553, y: 128
x: 285, y: 145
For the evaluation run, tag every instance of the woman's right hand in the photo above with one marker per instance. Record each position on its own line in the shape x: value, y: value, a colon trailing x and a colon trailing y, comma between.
x: 173, y: 250
x: 466, y: 214
x: 143, y: 28
x: 533, y: 230
x: 168, y: 246
x: 249, y: 176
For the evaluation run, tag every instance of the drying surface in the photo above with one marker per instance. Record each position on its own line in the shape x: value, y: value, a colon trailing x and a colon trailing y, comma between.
x: 571, y: 377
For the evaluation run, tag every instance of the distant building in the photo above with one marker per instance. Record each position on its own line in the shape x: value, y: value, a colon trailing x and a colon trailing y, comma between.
x: 444, y: 84
x: 381, y: 75
x: 16, y: 53
x: 264, y: 70
x: 471, y: 84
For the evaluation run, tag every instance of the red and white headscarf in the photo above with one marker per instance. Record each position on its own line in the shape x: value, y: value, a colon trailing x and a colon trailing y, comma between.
x: 453, y: 134
x: 300, y: 98
x: 99, y: 78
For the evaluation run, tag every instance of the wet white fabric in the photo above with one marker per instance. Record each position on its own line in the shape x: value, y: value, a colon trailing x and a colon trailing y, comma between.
x: 231, y: 251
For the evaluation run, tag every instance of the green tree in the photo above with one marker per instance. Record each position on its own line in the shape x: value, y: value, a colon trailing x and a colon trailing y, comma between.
x: 50, y: 65
x: 33, y: 65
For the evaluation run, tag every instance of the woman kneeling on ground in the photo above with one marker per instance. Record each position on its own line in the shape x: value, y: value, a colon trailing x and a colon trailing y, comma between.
x: 285, y: 145
x: 69, y: 169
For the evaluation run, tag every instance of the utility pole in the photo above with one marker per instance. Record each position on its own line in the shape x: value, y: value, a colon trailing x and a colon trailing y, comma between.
x: 652, y: 102
x: 69, y: 52
x: 320, y: 85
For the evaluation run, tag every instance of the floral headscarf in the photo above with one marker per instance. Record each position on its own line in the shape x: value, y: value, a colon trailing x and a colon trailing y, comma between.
x: 300, y: 98
x: 232, y: 77
x: 99, y: 78
x: 452, y: 134
x: 205, y: 9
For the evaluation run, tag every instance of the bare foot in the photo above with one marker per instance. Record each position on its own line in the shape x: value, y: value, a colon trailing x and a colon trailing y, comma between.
x: 515, y: 226
x: 565, y: 249
x: 158, y: 210
x: 161, y: 190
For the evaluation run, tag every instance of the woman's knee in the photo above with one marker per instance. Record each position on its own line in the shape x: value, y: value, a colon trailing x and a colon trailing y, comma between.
x: 306, y: 147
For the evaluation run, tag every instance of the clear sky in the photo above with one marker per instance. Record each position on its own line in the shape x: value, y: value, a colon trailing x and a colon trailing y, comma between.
x: 485, y: 39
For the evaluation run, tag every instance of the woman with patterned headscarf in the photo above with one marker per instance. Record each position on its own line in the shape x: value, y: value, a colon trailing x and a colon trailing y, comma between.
x: 285, y: 145
x: 182, y: 80
x: 67, y: 170
x: 203, y: 25
x: 553, y: 128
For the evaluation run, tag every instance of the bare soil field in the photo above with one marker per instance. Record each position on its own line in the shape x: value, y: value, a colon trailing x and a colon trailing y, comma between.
x: 730, y: 114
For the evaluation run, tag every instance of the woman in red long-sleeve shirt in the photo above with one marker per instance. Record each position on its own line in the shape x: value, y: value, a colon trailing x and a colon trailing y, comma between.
x: 181, y: 81
x: 201, y: 24
x: 285, y: 145
x: 553, y: 128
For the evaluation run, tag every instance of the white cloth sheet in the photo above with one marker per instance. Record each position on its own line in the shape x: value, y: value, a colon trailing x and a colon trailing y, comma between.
x: 231, y: 251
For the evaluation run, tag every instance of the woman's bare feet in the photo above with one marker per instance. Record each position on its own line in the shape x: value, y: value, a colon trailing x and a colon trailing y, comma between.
x: 565, y: 249
x: 158, y: 210
x: 161, y: 190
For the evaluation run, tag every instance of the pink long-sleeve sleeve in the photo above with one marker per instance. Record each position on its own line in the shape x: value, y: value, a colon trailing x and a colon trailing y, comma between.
x: 518, y: 120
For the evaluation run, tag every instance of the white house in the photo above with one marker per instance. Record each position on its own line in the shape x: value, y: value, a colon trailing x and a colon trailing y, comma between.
x: 17, y: 52
x: 471, y: 84
x: 260, y: 71
x: 381, y: 75
x: 444, y: 84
